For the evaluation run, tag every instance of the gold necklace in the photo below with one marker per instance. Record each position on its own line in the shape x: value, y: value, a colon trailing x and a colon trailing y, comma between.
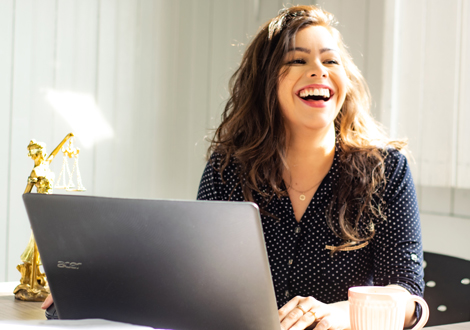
x: 302, y: 193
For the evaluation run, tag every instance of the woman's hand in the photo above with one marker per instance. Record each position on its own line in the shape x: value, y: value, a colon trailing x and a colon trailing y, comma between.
x: 47, y: 302
x: 301, y: 312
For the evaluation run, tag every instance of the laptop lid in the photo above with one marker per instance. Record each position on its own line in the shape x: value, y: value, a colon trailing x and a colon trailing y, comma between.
x: 162, y: 263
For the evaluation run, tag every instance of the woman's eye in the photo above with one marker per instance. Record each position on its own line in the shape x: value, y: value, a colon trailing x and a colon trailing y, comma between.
x: 296, y: 61
x: 331, y: 62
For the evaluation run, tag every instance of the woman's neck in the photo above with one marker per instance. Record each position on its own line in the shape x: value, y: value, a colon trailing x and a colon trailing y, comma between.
x: 310, y: 147
x: 309, y: 159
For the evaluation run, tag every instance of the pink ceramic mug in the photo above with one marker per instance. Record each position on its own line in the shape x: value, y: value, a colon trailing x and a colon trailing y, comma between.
x: 378, y: 307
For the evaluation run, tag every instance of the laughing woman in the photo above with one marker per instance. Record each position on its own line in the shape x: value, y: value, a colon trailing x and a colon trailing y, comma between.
x: 337, y: 199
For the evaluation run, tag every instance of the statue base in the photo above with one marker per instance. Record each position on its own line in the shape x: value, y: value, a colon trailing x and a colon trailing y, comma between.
x: 40, y: 289
x: 25, y: 293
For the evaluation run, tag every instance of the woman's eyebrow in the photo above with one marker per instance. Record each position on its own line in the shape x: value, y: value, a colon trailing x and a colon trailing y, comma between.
x: 299, y: 49
x: 323, y: 50
x: 308, y: 51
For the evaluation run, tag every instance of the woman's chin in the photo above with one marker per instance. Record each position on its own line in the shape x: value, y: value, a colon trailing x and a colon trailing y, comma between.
x: 320, y: 124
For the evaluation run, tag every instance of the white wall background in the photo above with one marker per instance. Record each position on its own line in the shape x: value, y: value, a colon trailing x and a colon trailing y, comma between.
x: 142, y: 82
x: 425, y: 97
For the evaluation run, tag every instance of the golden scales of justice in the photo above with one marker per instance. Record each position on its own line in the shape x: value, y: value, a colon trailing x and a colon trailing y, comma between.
x: 33, y: 284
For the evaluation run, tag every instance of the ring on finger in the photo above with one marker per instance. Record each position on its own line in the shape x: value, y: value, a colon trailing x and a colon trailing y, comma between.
x: 301, y: 308
x: 313, y: 313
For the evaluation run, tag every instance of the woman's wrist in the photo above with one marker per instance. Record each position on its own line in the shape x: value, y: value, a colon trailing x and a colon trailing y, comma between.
x: 343, y: 309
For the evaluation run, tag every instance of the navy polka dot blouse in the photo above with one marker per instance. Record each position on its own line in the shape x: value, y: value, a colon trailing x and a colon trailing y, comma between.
x: 300, y: 261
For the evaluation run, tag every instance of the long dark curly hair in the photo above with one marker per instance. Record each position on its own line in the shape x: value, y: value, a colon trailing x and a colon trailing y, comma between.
x: 252, y: 131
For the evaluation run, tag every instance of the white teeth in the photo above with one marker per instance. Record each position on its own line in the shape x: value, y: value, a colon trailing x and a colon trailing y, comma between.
x: 315, y: 92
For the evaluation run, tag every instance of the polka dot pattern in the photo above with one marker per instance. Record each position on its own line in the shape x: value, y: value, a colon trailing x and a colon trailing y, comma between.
x: 301, y: 264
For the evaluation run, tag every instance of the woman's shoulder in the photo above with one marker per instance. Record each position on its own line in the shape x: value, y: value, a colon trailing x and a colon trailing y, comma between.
x: 222, y: 167
x: 398, y: 176
x: 394, y: 159
x: 390, y: 157
x: 394, y: 162
x: 219, y: 179
x: 218, y: 160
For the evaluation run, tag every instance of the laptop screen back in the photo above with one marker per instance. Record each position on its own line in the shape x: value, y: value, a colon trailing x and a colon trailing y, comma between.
x: 166, y: 264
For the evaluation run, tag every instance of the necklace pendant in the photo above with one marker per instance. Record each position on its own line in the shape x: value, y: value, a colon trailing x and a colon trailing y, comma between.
x: 302, y: 197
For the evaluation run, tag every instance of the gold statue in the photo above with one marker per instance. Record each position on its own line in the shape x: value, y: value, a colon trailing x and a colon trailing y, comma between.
x: 33, y: 284
x: 41, y: 176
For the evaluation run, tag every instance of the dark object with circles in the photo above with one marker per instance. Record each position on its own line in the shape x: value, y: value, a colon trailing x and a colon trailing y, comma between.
x: 447, y: 288
x: 51, y: 313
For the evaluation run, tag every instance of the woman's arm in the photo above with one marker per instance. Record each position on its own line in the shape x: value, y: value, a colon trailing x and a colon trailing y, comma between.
x: 398, y: 250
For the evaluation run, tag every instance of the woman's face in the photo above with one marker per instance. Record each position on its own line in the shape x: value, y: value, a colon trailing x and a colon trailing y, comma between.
x: 312, y: 91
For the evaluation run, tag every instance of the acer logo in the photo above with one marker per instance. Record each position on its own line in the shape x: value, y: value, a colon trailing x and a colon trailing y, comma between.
x: 68, y: 264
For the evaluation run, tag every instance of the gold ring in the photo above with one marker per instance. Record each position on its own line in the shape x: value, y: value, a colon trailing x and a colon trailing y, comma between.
x: 313, y: 313
x: 301, y: 308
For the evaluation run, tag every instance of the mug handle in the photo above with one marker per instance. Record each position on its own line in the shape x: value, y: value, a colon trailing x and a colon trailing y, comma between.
x: 425, y: 312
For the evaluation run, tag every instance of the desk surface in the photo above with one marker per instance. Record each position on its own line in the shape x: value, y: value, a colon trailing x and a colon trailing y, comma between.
x: 456, y: 326
x: 13, y: 309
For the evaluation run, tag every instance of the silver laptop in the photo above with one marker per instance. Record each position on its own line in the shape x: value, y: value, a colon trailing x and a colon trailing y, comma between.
x: 168, y: 264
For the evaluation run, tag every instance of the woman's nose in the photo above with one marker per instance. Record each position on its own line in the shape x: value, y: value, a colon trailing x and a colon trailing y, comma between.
x: 318, y: 71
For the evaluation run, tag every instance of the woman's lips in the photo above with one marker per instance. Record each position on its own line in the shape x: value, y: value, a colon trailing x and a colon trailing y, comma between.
x: 315, y: 89
x: 315, y: 104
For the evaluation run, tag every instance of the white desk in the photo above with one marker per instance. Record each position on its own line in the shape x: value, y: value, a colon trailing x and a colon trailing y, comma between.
x: 13, y: 309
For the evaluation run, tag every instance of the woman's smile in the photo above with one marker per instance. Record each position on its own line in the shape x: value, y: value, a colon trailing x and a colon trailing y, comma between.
x: 313, y: 86
x: 315, y: 95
